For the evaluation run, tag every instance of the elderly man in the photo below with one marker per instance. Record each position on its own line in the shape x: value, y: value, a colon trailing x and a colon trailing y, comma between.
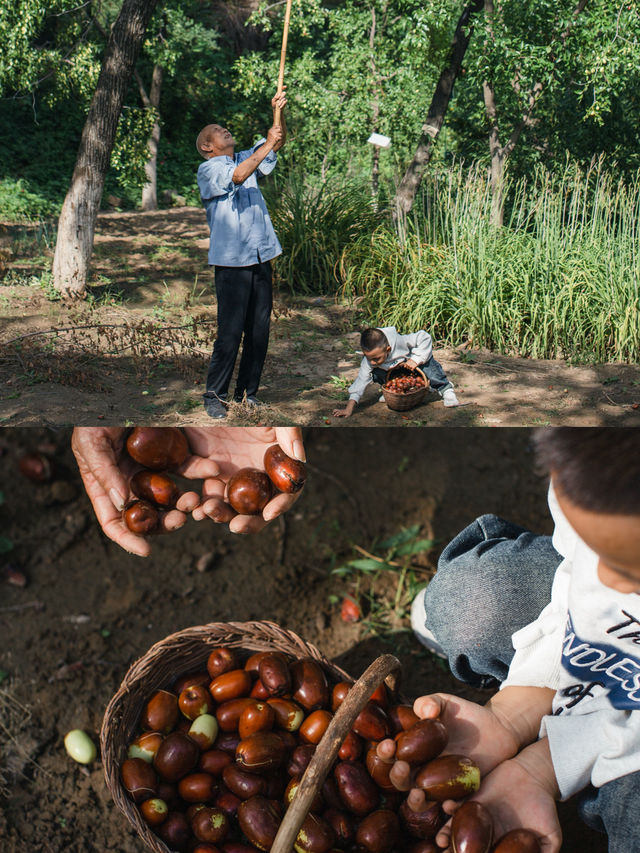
x: 241, y: 248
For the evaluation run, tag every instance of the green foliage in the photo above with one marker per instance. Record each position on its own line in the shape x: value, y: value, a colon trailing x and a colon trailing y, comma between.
x: 560, y: 279
x: 386, y: 578
x: 349, y: 69
x: 130, y: 152
x: 587, y: 65
x: 314, y: 226
x: 19, y: 204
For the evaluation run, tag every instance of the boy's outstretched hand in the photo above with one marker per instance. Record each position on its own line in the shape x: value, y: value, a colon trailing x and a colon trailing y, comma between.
x: 519, y: 793
x: 474, y: 730
x: 346, y: 412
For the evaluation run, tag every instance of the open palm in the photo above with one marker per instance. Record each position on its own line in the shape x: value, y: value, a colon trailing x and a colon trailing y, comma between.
x: 234, y: 448
x: 515, y: 800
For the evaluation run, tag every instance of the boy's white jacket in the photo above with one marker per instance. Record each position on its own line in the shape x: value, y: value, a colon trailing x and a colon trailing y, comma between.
x: 416, y: 346
x: 585, y: 645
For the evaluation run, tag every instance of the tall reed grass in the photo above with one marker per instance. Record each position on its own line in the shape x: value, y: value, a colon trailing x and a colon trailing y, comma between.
x: 315, y: 224
x: 560, y: 278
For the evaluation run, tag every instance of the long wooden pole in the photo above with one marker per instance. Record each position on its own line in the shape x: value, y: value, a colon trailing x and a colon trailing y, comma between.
x: 283, y: 56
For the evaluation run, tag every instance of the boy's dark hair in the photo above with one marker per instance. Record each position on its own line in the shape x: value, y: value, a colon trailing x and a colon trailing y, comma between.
x: 595, y: 469
x: 371, y: 339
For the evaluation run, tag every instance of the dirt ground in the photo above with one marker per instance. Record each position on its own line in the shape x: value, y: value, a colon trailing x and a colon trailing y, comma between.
x: 89, y: 609
x: 137, y: 349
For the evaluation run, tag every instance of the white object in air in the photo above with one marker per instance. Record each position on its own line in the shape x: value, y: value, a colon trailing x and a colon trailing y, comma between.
x: 380, y: 140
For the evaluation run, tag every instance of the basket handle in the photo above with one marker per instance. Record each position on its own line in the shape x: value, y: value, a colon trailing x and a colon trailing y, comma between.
x: 386, y: 666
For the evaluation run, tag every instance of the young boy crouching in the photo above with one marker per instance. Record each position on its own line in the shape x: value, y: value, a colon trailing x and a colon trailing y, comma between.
x: 555, y: 621
x: 384, y: 349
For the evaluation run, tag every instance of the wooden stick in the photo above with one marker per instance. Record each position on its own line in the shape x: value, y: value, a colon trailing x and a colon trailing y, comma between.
x: 283, y: 55
x: 386, y: 666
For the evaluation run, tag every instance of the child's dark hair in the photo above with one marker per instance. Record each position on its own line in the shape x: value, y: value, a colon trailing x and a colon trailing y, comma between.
x: 595, y: 469
x: 371, y: 339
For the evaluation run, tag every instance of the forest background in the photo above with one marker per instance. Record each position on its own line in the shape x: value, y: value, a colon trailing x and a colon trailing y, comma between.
x: 523, y: 233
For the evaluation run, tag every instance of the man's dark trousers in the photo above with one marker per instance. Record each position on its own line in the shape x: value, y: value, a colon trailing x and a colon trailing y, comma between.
x: 244, y: 308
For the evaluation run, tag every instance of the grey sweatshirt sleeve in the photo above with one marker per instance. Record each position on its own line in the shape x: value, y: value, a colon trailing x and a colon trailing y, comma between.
x: 592, y: 748
x: 364, y: 378
x: 420, y: 346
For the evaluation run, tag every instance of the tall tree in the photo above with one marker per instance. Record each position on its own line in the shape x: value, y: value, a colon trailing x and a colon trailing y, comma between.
x: 78, y: 216
x: 410, y: 183
x: 544, y: 76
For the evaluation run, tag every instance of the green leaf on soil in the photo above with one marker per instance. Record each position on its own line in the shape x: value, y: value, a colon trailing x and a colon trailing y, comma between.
x: 6, y: 545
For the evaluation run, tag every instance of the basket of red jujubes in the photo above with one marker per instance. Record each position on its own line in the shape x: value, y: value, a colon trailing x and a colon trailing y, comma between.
x: 236, y: 737
x: 404, y: 388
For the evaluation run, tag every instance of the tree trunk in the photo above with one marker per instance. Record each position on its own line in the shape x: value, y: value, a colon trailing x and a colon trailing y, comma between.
x: 406, y: 192
x: 375, y: 112
x: 500, y: 153
x: 497, y: 154
x: 150, y: 189
x: 80, y: 209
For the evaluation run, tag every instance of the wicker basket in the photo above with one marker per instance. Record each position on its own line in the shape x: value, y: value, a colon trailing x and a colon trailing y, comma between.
x: 402, y: 402
x: 187, y: 651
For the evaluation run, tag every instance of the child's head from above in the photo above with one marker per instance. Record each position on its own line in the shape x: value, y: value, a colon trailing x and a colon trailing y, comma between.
x: 375, y: 346
x: 214, y: 141
x: 596, y: 478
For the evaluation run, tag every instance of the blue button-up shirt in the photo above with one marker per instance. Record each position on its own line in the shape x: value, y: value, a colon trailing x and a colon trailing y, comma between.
x: 241, y: 229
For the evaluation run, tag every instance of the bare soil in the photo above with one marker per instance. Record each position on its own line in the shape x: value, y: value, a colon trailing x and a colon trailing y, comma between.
x: 89, y: 609
x: 137, y: 349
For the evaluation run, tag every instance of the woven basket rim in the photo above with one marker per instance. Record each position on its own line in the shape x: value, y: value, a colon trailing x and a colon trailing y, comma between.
x: 133, y: 693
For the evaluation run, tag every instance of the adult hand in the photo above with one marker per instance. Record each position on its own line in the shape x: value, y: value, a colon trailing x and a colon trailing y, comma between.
x: 233, y: 448
x: 519, y: 793
x: 106, y: 470
x: 342, y: 413
x: 410, y: 363
x: 279, y: 99
x: 275, y: 135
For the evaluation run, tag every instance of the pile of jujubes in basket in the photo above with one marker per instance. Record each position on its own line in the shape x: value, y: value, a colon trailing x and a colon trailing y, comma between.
x: 164, y: 449
x: 221, y: 754
x: 405, y: 383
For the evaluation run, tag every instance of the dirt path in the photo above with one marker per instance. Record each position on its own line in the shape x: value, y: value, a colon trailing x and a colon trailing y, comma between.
x: 137, y: 350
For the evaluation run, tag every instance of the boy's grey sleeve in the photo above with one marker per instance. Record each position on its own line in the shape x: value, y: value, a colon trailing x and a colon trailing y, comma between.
x: 420, y: 346
x: 592, y: 748
x: 362, y: 380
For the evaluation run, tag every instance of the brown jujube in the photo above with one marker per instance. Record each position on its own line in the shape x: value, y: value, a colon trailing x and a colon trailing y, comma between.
x: 158, y: 448
x: 261, y: 752
x: 259, y: 819
x: 518, y: 841
x: 156, y: 488
x: 230, y: 685
x: 287, y: 474
x: 139, y: 779
x: 471, y: 829
x: 379, y: 831
x: 141, y: 518
x: 176, y: 756
x: 249, y: 491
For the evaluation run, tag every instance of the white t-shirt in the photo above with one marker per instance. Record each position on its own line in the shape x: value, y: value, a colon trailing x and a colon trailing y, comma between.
x: 586, y: 646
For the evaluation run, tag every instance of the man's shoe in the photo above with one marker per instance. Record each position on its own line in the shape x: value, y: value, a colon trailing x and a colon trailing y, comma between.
x: 215, y: 407
x: 449, y: 398
x: 250, y: 401
x: 420, y: 630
